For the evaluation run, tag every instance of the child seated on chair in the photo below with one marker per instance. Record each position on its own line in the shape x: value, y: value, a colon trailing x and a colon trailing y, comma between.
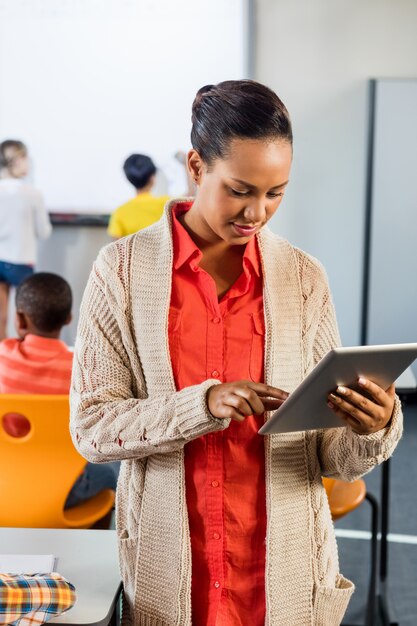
x: 39, y: 362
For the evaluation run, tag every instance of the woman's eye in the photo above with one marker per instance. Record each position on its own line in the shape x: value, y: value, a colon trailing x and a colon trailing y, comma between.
x: 239, y: 194
x: 242, y: 194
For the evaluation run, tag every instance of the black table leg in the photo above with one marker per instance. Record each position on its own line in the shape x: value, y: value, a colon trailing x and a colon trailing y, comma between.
x: 115, y: 617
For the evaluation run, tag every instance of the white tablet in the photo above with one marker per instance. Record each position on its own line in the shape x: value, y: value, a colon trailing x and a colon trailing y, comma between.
x: 306, y: 407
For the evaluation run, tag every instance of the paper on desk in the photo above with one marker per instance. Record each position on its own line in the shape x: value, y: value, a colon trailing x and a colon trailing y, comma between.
x: 27, y: 563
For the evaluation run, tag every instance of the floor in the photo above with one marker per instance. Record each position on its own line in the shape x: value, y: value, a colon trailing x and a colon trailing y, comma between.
x: 402, y: 564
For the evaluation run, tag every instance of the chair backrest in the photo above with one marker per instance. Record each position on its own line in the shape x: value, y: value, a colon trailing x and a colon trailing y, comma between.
x: 38, y: 469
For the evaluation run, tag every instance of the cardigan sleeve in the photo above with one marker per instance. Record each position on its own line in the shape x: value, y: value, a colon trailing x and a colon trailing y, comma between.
x: 111, y: 416
x: 344, y: 454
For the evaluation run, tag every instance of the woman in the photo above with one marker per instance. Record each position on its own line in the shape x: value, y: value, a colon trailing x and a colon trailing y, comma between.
x: 189, y: 332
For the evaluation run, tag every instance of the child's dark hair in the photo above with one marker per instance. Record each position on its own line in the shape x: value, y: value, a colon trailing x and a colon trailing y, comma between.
x: 46, y: 299
x: 11, y: 146
x: 139, y: 169
x: 236, y: 109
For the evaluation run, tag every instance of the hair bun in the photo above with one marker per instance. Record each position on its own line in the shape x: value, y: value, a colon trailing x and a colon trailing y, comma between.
x: 204, y: 89
x: 200, y: 95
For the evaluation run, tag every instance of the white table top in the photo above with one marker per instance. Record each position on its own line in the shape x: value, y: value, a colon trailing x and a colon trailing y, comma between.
x: 86, y: 558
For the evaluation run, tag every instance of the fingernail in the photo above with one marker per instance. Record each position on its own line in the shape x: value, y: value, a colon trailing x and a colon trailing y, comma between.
x: 333, y: 397
x: 330, y: 405
x: 362, y: 381
x: 341, y: 389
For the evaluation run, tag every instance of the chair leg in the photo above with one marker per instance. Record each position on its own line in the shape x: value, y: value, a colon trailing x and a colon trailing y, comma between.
x: 371, y: 617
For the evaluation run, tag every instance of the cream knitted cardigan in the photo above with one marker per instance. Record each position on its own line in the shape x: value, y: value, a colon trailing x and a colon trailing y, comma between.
x: 124, y: 406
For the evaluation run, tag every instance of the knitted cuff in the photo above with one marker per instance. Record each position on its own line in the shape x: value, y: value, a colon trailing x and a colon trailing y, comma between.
x: 382, y: 443
x: 194, y: 418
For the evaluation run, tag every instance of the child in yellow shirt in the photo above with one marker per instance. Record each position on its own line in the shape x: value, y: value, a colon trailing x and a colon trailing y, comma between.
x: 145, y: 208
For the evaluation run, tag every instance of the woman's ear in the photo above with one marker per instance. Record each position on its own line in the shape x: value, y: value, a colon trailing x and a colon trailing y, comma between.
x: 195, y: 166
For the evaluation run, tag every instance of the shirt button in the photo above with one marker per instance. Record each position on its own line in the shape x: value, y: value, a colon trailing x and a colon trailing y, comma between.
x: 194, y: 268
x: 215, y: 374
x: 216, y: 535
x: 216, y: 320
x: 214, y: 483
x: 216, y: 585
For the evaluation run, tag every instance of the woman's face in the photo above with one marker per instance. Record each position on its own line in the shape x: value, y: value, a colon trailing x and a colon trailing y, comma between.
x: 237, y: 195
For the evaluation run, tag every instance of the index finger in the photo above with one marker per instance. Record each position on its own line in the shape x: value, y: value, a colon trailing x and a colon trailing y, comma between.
x: 264, y: 391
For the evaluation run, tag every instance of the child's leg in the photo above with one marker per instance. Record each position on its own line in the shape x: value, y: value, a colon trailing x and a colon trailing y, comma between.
x: 94, y: 479
x: 4, y: 307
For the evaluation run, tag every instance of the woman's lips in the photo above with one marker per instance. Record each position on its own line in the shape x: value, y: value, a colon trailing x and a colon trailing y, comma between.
x: 245, y: 231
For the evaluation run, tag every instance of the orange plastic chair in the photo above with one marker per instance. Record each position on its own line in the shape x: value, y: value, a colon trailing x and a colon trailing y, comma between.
x: 38, y: 470
x: 344, y: 498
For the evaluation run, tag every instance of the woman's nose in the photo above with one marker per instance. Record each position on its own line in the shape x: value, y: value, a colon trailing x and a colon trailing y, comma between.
x: 255, y: 212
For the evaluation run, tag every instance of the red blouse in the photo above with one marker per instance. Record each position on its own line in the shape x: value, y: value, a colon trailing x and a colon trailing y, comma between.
x: 224, y: 471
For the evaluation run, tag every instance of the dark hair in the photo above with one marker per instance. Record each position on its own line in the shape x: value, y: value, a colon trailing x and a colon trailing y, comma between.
x: 236, y: 109
x: 139, y: 169
x: 46, y: 299
x: 7, y: 145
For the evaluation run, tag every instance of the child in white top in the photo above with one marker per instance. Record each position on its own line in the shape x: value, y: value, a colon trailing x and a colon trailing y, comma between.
x: 23, y: 220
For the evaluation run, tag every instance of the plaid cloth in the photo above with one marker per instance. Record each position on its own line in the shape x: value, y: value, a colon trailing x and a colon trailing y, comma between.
x: 30, y: 600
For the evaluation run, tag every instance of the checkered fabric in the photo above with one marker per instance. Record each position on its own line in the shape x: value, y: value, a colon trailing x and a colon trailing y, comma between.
x: 30, y: 600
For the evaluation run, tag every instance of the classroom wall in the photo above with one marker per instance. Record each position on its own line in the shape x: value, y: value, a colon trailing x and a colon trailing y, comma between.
x: 318, y: 55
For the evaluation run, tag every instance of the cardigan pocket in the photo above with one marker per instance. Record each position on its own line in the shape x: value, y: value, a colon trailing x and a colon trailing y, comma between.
x: 128, y: 550
x: 330, y: 603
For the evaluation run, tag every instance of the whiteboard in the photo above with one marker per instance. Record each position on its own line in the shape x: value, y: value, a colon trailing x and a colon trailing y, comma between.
x: 87, y: 82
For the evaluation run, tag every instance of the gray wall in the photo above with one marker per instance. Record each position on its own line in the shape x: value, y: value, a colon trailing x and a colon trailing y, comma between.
x: 70, y: 252
x: 318, y: 56
x: 393, y: 258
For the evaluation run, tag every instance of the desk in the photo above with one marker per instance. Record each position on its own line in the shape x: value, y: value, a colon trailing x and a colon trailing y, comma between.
x: 86, y: 558
x: 406, y: 384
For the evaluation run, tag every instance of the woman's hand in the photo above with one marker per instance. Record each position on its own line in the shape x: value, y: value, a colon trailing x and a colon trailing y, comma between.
x: 240, y: 399
x: 365, y: 416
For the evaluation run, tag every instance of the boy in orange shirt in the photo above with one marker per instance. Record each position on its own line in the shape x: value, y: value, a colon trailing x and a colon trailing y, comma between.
x: 39, y: 362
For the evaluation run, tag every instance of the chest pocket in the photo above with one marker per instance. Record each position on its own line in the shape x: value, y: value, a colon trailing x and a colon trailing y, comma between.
x: 174, y: 326
x: 256, y: 362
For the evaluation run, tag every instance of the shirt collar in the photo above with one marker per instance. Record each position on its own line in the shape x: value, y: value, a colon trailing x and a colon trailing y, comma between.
x: 251, y: 258
x: 46, y: 343
x: 184, y: 247
x: 186, y: 250
x: 144, y: 194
